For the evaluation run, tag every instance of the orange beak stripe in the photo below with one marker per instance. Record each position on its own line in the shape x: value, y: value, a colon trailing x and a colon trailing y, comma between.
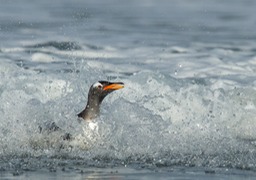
x: 113, y: 87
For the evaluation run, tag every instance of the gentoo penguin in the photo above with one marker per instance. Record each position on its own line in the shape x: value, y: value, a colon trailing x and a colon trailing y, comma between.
x: 98, y: 91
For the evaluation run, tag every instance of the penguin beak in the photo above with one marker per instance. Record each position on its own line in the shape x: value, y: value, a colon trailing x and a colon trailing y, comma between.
x: 113, y: 86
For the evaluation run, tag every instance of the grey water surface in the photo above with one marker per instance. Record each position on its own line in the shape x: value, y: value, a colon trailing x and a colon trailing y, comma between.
x: 189, y: 103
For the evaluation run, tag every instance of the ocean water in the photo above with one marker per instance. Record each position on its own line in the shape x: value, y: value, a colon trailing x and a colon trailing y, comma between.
x: 188, y: 109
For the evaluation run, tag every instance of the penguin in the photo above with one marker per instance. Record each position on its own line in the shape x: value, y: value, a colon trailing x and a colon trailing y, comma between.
x: 98, y: 91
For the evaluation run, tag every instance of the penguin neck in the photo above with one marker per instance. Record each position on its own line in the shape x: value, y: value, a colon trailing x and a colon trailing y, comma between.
x: 92, y: 109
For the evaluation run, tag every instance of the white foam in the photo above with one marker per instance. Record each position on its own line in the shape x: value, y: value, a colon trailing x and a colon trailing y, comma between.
x: 208, y: 106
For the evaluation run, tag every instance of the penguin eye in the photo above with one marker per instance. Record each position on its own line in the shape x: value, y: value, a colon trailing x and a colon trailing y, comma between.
x: 97, y: 85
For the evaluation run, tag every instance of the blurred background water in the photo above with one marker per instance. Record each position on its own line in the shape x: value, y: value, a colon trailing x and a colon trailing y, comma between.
x: 189, y: 69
